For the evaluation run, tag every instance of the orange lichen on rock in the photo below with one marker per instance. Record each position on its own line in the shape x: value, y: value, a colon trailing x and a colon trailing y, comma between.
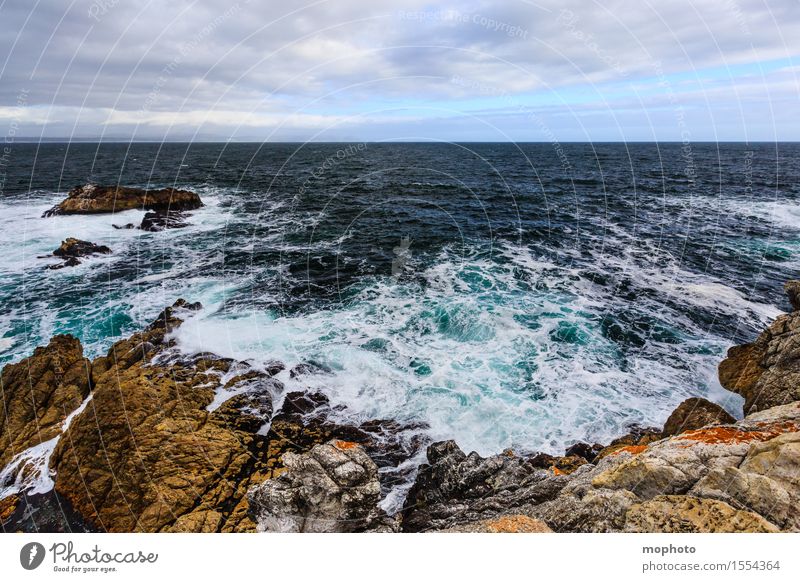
x: 515, y: 524
x: 557, y: 471
x: 7, y: 506
x: 344, y: 445
x: 726, y: 435
x: 632, y: 449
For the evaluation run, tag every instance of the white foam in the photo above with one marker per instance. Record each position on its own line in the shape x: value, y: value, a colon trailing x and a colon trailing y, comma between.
x: 29, y: 470
x: 467, y: 325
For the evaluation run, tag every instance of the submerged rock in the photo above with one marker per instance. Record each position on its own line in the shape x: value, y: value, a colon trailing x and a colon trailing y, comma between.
x: 332, y: 488
x: 94, y: 199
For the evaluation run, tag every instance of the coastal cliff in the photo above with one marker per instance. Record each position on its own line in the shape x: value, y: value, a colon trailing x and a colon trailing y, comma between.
x: 145, y: 438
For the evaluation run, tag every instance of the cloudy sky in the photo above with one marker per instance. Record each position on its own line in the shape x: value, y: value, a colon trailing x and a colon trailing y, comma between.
x: 490, y: 70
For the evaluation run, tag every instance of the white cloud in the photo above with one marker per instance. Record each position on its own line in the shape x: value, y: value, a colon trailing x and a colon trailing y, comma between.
x: 221, y: 63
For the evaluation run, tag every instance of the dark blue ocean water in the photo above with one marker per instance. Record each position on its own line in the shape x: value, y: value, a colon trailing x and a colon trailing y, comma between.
x: 508, y: 295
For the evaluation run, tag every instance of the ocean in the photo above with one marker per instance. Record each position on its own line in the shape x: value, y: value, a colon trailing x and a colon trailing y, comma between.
x: 505, y: 295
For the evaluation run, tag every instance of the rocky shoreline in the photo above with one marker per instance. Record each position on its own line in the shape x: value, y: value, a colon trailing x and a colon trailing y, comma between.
x: 148, y: 439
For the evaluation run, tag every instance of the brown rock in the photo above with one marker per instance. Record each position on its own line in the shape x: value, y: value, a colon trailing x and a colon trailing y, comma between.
x: 512, y: 523
x: 684, y: 514
x: 73, y: 247
x: 7, y: 506
x: 38, y: 394
x: 633, y: 442
x: 767, y: 371
x: 146, y: 455
x: 93, y: 199
x: 792, y: 289
x: 694, y: 413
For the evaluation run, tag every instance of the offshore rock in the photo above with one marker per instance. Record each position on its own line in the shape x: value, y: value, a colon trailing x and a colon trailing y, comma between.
x: 73, y: 249
x: 94, y: 199
x: 332, y: 488
x: 157, y: 221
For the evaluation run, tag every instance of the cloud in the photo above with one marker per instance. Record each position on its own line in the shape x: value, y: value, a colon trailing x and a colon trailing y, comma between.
x: 351, y: 65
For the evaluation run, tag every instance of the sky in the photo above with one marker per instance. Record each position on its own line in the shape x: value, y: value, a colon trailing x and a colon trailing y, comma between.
x: 359, y: 70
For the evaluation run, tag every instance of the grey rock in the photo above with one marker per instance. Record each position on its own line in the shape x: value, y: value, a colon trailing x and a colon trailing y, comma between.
x: 332, y: 488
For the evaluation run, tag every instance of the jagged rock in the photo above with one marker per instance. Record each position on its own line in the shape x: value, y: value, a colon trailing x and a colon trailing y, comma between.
x: 767, y: 371
x: 674, y: 465
x: 695, y: 413
x: 513, y: 523
x: 146, y: 453
x: 636, y: 440
x: 792, y: 290
x: 579, y: 507
x: 455, y: 488
x: 38, y: 394
x: 766, y: 482
x: 161, y: 220
x: 584, y: 450
x: 684, y: 514
x: 542, y: 460
x: 304, y: 421
x: 597, y: 511
x: 170, y: 442
x: 94, y: 199
x: 72, y: 249
x: 332, y: 488
x: 308, y: 368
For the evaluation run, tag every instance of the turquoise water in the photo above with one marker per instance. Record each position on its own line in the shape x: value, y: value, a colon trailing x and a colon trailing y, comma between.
x: 484, y: 289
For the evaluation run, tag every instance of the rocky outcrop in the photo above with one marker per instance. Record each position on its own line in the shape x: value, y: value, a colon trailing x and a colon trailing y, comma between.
x: 39, y: 393
x: 163, y: 220
x: 147, y: 452
x: 719, y: 478
x: 94, y: 199
x: 167, y: 442
x: 332, y: 488
x: 767, y: 371
x: 694, y: 413
x: 455, y: 488
x: 72, y: 250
